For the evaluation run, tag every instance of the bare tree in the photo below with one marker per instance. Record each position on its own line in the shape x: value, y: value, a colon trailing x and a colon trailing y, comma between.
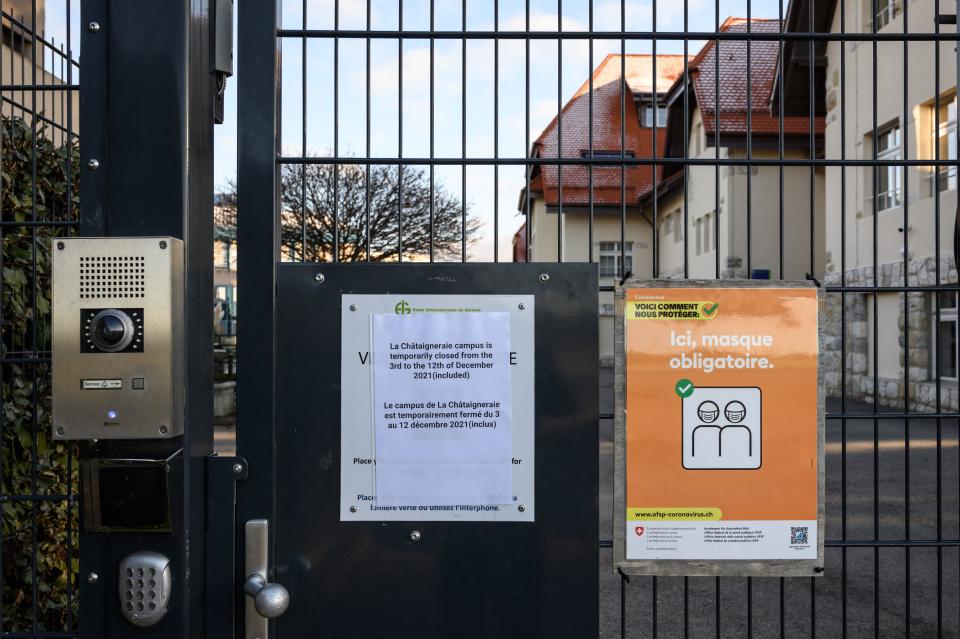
x: 309, y: 225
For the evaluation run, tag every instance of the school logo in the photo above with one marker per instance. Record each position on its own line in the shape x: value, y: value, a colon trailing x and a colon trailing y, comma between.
x: 402, y: 308
x: 639, y: 530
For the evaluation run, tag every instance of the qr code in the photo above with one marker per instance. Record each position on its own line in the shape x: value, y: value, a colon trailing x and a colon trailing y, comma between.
x: 798, y: 536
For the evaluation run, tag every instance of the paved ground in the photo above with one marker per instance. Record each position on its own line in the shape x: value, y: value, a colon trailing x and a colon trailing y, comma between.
x: 826, y: 593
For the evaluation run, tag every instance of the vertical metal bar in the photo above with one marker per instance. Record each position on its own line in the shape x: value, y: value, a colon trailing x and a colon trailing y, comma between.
x: 432, y: 176
x: 336, y: 131
x: 843, y: 318
x: 526, y: 129
x: 366, y: 210
x: 905, y: 179
x: 655, y: 177
x: 590, y: 202
x: 400, y: 132
x: 463, y: 133
x: 496, y: 132
x: 257, y: 232
x: 559, y: 132
x: 750, y: 136
x: 716, y: 142
x: 935, y: 341
x: 687, y: 86
x: 780, y: 139
x: 623, y: 140
x: 303, y: 168
x: 34, y: 474
x: 876, y: 331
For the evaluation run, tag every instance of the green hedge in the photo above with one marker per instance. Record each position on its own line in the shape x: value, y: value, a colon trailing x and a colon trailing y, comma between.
x: 32, y: 464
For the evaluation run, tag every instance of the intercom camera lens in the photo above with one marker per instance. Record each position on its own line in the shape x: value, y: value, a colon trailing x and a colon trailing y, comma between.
x: 111, y: 330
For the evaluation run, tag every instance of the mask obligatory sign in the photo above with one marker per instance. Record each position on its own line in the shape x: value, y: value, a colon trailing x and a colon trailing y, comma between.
x: 719, y: 459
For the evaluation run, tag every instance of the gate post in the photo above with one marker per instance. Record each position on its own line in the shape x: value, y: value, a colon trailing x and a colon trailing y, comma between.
x: 147, y: 105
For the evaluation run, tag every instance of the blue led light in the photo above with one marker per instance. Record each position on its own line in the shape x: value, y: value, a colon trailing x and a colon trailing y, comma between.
x: 111, y: 414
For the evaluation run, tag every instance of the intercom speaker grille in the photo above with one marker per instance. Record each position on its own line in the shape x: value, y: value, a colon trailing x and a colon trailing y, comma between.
x: 111, y: 276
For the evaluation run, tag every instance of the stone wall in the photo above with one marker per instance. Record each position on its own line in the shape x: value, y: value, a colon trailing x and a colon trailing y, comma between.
x: 849, y: 327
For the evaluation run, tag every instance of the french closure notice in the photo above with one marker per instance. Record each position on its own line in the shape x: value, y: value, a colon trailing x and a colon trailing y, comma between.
x: 442, y: 409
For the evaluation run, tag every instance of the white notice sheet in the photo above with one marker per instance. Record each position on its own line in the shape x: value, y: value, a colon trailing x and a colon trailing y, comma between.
x: 442, y: 409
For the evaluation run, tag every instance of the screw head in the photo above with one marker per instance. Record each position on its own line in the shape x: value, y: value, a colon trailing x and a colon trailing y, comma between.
x: 522, y: 508
x: 60, y: 246
x: 320, y: 278
x: 93, y: 164
x: 60, y: 430
x: 163, y: 244
x: 92, y: 578
x: 237, y: 468
x: 93, y: 27
x: 353, y: 307
x: 163, y: 430
x: 544, y: 278
x: 521, y: 306
x: 415, y: 535
x: 353, y: 509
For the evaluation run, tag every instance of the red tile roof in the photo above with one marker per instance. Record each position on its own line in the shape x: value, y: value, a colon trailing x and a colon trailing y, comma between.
x: 731, y: 58
x: 639, y: 75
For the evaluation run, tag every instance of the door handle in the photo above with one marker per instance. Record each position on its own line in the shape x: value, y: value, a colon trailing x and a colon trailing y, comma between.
x: 264, y: 600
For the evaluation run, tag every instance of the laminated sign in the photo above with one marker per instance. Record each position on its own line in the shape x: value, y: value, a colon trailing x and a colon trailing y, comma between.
x: 720, y: 429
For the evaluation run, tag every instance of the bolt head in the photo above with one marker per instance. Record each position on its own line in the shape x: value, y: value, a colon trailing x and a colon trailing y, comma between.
x: 93, y: 164
x: 163, y: 244
x: 353, y: 509
x: 522, y: 508
x: 163, y: 430
x: 353, y: 307
x: 238, y: 468
x: 60, y: 430
x: 93, y: 27
x: 415, y: 535
x: 320, y: 278
x: 544, y: 278
x: 92, y: 578
x: 522, y: 306
x: 60, y: 246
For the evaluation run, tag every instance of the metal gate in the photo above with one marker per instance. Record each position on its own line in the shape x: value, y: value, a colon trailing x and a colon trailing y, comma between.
x: 39, y: 200
x: 892, y: 538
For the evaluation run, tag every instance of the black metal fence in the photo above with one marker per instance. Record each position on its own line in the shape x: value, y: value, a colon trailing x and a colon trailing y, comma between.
x: 39, y: 198
x: 402, y: 128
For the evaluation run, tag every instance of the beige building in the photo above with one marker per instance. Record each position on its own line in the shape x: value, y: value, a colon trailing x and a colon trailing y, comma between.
x: 559, y: 201
x: 706, y: 226
x: 883, y: 223
x: 22, y: 60
x: 724, y: 220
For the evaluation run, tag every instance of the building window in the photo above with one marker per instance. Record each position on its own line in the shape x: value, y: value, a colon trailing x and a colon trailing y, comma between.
x: 697, y: 140
x: 677, y: 226
x: 888, y: 178
x: 647, y: 115
x: 704, y: 227
x: 887, y: 10
x: 945, y: 138
x: 610, y: 259
x: 945, y: 354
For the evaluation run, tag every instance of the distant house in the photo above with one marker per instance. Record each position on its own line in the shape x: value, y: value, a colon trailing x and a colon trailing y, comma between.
x: 724, y: 220
x: 562, y: 201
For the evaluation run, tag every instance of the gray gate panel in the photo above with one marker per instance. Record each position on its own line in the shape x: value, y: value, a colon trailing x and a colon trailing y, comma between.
x: 462, y: 579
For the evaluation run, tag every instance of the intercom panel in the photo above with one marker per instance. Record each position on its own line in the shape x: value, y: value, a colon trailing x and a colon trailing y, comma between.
x: 117, y: 338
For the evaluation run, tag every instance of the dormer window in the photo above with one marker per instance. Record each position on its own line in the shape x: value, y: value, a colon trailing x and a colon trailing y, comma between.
x: 648, y: 117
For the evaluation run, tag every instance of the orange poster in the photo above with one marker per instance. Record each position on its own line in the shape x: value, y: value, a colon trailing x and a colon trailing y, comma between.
x: 721, y: 437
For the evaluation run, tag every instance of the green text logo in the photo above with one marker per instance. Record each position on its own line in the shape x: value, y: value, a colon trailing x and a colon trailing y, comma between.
x: 402, y: 308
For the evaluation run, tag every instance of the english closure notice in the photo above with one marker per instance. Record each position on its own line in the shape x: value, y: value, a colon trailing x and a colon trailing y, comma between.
x: 442, y: 409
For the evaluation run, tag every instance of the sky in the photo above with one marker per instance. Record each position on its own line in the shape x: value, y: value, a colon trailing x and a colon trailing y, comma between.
x: 510, y: 114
